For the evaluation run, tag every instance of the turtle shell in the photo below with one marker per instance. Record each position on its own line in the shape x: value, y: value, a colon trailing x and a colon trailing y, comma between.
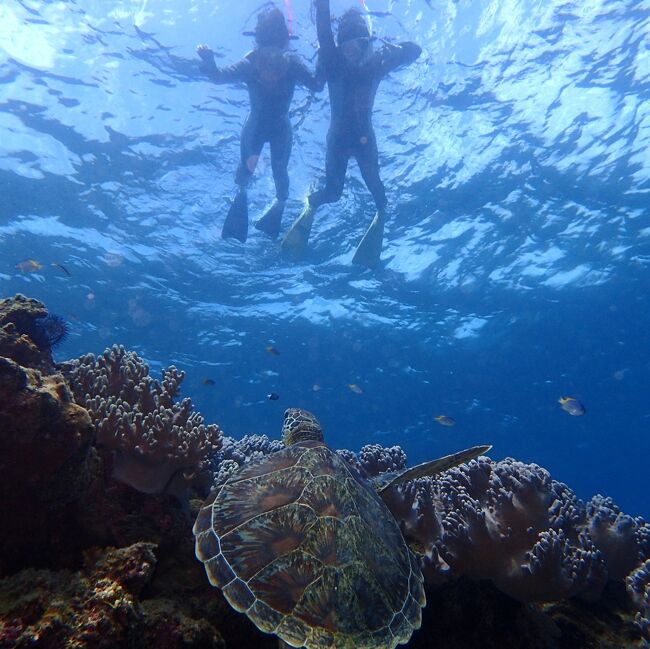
x: 304, y: 546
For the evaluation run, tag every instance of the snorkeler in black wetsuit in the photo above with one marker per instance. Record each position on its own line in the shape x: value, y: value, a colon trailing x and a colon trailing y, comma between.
x: 353, y: 72
x: 271, y: 74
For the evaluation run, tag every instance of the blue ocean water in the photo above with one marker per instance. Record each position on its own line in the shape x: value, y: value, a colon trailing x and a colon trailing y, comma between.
x: 516, y: 158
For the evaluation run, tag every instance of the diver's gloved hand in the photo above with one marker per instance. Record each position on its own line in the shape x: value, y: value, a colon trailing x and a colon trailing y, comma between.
x: 206, y: 53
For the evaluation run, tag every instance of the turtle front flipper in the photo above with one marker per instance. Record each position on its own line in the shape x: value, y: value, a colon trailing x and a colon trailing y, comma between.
x: 426, y: 469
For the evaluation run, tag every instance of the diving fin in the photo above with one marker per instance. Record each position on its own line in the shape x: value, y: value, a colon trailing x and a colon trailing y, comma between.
x: 236, y: 224
x: 368, y: 251
x: 427, y: 469
x: 295, y: 240
x: 272, y: 219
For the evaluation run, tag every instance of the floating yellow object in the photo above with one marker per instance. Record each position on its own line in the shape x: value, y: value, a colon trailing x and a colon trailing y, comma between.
x: 572, y: 406
x: 443, y: 420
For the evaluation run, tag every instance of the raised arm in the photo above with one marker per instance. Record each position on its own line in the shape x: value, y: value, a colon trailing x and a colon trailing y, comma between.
x: 392, y: 56
x: 239, y: 71
x: 324, y: 30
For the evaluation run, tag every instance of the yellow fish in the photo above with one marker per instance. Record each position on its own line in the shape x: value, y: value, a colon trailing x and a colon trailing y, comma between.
x: 443, y: 420
x: 355, y: 388
x: 572, y: 406
x: 29, y: 266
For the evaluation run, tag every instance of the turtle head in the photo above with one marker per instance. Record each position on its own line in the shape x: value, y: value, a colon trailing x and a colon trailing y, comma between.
x: 300, y: 425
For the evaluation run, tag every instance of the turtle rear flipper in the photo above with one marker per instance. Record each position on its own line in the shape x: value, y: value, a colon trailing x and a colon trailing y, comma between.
x: 427, y: 469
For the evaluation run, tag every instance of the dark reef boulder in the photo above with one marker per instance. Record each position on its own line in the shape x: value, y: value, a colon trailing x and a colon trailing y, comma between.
x: 47, y: 465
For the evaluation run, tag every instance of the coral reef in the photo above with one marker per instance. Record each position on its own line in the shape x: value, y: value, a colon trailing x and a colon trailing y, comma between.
x: 97, y: 607
x: 506, y: 522
x: 21, y: 337
x: 158, y: 445
x: 374, y: 459
x: 92, y: 554
x: 46, y: 463
x: 638, y: 585
x: 623, y: 540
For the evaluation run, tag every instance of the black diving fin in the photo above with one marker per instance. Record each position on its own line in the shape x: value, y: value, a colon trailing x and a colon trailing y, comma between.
x: 236, y: 224
x: 272, y: 219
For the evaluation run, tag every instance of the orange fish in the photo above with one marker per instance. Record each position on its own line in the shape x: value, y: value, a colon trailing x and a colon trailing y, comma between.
x: 29, y: 266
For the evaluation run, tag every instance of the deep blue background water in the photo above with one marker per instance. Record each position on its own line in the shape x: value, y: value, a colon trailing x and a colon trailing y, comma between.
x: 516, y: 158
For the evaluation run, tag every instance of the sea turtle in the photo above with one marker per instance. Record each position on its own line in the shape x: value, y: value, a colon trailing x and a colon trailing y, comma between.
x: 306, y: 547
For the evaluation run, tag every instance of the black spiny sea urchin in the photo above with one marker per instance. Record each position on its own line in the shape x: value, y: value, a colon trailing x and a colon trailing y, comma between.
x: 48, y: 331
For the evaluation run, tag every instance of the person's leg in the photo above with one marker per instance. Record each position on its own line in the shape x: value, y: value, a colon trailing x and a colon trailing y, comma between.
x: 368, y: 251
x: 336, y: 164
x: 368, y: 160
x: 281, y: 142
x: 236, y: 224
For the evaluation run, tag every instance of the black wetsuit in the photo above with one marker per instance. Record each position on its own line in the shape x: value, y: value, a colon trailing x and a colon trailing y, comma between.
x: 270, y: 75
x: 352, y: 92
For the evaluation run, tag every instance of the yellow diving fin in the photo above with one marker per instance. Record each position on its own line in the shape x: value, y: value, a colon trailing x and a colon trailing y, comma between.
x: 368, y: 251
x: 295, y: 240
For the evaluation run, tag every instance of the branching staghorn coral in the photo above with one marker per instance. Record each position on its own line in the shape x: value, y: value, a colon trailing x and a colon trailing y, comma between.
x: 153, y: 439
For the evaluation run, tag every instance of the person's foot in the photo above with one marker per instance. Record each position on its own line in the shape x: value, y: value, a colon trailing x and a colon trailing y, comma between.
x: 295, y: 241
x: 236, y: 224
x: 368, y: 251
x: 272, y: 219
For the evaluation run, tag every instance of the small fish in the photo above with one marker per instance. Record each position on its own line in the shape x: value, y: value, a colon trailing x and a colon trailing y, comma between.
x: 315, y: 387
x: 208, y: 381
x: 355, y: 388
x: 272, y: 396
x: 29, y: 266
x: 443, y: 420
x: 572, y: 406
x: 272, y: 350
x: 63, y: 268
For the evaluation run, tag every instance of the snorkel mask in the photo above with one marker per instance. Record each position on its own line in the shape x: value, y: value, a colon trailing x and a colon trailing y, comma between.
x: 271, y: 29
x: 354, y: 37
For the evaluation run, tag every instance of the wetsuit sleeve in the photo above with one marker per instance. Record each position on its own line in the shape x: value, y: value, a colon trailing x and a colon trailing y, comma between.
x: 303, y: 76
x: 239, y: 71
x: 327, y: 50
x: 391, y: 57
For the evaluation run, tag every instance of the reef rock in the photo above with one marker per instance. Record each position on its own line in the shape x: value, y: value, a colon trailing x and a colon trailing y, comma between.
x: 21, y: 321
x: 45, y: 463
x: 95, y: 608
